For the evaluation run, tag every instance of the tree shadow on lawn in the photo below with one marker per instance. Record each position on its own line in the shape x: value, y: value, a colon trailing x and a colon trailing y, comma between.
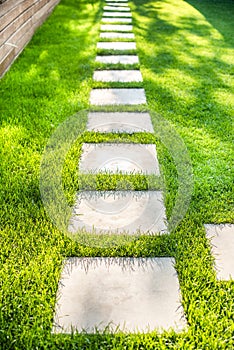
x: 199, y: 65
x: 219, y: 13
x: 187, y: 77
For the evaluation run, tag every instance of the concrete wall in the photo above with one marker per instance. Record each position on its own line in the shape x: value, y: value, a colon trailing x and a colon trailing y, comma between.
x: 18, y: 21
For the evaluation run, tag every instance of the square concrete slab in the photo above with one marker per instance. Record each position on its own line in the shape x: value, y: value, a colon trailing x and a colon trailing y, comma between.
x: 123, y: 76
x: 117, y: 14
x: 117, y: 45
x: 116, y: 8
x: 116, y: 20
x: 119, y: 212
x: 104, y: 97
x: 114, y: 59
x: 121, y: 122
x: 116, y: 27
x: 136, y: 295
x: 126, y: 158
x: 222, y: 247
x: 111, y: 35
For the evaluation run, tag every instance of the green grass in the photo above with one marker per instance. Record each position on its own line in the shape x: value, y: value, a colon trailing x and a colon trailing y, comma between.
x: 186, y: 51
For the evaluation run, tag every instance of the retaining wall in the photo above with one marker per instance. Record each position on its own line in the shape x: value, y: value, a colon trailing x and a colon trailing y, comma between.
x: 18, y: 21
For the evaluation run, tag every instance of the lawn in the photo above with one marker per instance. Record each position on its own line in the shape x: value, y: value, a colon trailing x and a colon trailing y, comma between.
x: 186, y: 59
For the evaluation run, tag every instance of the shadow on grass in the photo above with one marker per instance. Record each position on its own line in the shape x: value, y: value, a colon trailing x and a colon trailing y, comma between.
x: 219, y: 13
x: 186, y: 66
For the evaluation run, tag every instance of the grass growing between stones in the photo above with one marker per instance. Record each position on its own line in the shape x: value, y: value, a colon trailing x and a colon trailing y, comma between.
x: 185, y: 58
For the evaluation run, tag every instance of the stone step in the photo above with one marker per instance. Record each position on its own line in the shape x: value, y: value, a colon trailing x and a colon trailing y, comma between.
x: 222, y: 246
x: 113, y: 35
x: 121, y: 122
x: 123, y: 76
x: 116, y: 14
x: 116, y: 27
x: 105, y: 97
x: 116, y: 20
x: 116, y: 8
x: 118, y: 212
x: 114, y: 59
x: 118, y: 45
x: 113, y: 158
x: 133, y: 294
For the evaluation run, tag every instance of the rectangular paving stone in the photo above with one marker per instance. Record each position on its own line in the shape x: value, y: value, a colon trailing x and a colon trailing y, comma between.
x: 114, y: 59
x: 116, y: 8
x: 119, y: 212
x: 130, y: 96
x: 116, y: 14
x: 222, y: 247
x: 113, y: 158
x: 116, y: 20
x: 111, y: 35
x: 121, y: 122
x: 116, y: 27
x: 123, y: 76
x: 117, y: 45
x: 134, y: 294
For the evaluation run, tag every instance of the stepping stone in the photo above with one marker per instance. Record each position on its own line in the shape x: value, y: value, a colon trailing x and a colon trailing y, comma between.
x: 123, y: 76
x: 118, y: 45
x: 114, y: 59
x: 113, y: 158
x: 116, y: 27
x: 117, y: 14
x: 124, y: 122
x: 222, y: 247
x: 134, y: 294
x: 103, y: 97
x: 116, y: 20
x: 117, y: 35
x: 116, y: 8
x: 118, y: 212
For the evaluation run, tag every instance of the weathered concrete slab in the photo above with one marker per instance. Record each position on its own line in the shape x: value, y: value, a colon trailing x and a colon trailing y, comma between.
x: 113, y: 158
x: 116, y: 8
x: 222, y: 246
x: 121, y: 122
x: 113, y: 35
x: 118, y: 45
x: 116, y: 27
x: 130, y: 96
x: 114, y: 59
x: 134, y: 294
x: 123, y: 76
x: 116, y: 14
x: 116, y: 20
x: 118, y: 212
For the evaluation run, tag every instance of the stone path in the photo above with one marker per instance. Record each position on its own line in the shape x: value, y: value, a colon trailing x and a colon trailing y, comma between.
x: 130, y: 293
